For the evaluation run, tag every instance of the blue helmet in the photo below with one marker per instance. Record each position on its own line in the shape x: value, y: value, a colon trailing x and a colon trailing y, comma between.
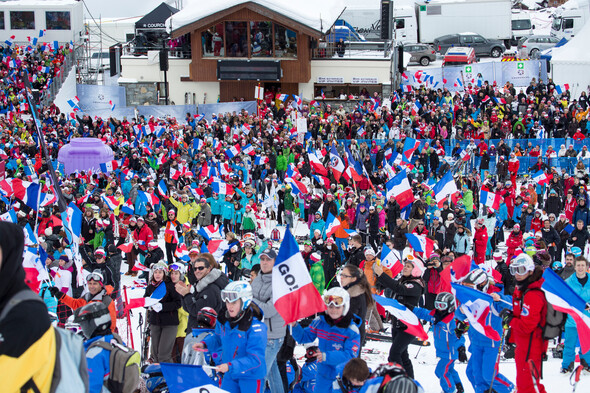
x: 577, y: 251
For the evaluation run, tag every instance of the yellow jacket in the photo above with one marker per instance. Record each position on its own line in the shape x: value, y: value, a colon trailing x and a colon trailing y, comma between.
x: 185, y: 212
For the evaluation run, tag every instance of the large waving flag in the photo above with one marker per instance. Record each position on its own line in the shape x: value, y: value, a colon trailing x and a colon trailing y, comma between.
x: 111, y: 201
x: 410, y: 146
x: 222, y: 188
x: 444, y: 187
x: 72, y: 220
x: 403, y: 314
x: 400, y: 188
x: 332, y: 224
x: 390, y: 259
x: 110, y: 166
x: 154, y: 298
x: 293, y: 293
x: 542, y: 178
x: 489, y: 199
x: 233, y: 151
x: 476, y: 306
x: 421, y: 243
x: 356, y: 171
x: 317, y: 165
x: 564, y: 299
x: 336, y: 163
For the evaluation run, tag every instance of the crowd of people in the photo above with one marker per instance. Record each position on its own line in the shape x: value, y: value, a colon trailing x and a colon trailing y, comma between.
x: 195, y: 211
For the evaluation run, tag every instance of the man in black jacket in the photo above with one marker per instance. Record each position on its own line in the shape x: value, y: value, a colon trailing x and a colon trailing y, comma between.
x: 551, y: 238
x: 393, y: 213
x: 356, y: 251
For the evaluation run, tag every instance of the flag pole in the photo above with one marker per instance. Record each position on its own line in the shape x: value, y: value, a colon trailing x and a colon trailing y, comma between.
x: 37, y: 211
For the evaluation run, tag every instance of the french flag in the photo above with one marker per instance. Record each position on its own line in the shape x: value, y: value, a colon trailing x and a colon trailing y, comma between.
x: 198, y: 144
x: 317, y: 165
x: 464, y: 154
x: 400, y: 188
x: 322, y: 180
x: 112, y: 105
x: 218, y: 248
x: 138, y: 266
x: 47, y: 199
x: 111, y: 202
x: 297, y: 186
x: 410, y: 146
x: 9, y: 216
x: 361, y: 131
x: 458, y: 83
x: 444, y: 187
x: 233, y: 151
x: 298, y: 100
x: 259, y: 160
x: 107, y: 167
x: 182, y: 252
x: 476, y: 306
x: 388, y: 153
x: 211, y: 231
x: 153, y: 299
x: 162, y: 189
x: 293, y: 293
x: 541, y: 177
x: 499, y: 100
x: 564, y: 299
x: 249, y: 149
x: 390, y: 260
x: 222, y: 188
x: 282, y: 97
x: 416, y: 107
x: 128, y: 207
x: 403, y: 314
x: 332, y: 225
x: 489, y: 198
x: 421, y: 243
x: 72, y: 220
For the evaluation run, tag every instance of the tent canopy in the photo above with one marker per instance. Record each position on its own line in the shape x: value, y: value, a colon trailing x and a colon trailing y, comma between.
x: 156, y: 18
x: 576, y: 50
x: 570, y: 63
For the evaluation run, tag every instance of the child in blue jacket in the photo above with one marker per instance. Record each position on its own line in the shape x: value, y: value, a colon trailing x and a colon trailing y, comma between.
x: 443, y: 323
x: 241, y: 338
x: 338, y: 336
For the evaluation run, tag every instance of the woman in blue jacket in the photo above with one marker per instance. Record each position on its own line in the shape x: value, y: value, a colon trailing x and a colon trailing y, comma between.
x: 240, y: 336
x: 338, y: 336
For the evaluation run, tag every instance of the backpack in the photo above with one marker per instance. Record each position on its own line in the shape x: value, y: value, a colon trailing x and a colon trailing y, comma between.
x: 554, y: 320
x: 123, y: 363
x: 69, y: 352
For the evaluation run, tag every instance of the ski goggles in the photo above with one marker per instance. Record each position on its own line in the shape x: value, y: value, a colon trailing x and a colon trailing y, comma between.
x: 175, y: 268
x: 229, y: 296
x: 518, y: 269
x: 95, y: 277
x: 441, y: 306
x: 336, y: 301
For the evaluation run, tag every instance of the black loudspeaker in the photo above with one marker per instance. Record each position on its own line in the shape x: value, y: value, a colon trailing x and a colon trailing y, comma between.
x: 163, y: 60
x: 385, y: 19
x: 400, y: 58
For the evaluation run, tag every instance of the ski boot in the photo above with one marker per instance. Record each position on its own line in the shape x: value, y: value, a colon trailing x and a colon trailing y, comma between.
x: 567, y: 370
x: 459, y: 388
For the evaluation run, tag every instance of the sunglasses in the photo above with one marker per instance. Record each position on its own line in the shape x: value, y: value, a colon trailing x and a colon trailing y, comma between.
x: 199, y: 268
x: 336, y: 301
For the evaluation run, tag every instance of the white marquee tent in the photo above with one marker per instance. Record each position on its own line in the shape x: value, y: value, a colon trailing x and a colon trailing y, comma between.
x: 571, y: 62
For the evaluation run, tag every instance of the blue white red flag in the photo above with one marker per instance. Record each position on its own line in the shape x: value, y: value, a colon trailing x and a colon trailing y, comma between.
x: 332, y: 225
x: 107, y: 167
x: 149, y: 301
x: 564, y: 299
x: 233, y: 151
x: 111, y: 201
x: 403, y: 314
x: 72, y: 220
x: 489, y: 199
x: 9, y: 216
x: 181, y: 251
x: 421, y: 243
x: 294, y: 295
x: 128, y: 207
x: 222, y: 188
x: 336, y: 164
x: 162, y: 189
x: 410, y: 146
x: 444, y: 187
x: 211, y: 232
x: 541, y: 177
x: 400, y: 188
x: 390, y: 259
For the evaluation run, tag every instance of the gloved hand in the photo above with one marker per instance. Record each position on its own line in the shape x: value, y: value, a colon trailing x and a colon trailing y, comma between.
x: 461, y: 328
x: 506, y: 316
x: 55, y: 292
x: 157, y: 307
x: 588, y: 306
x: 462, y: 354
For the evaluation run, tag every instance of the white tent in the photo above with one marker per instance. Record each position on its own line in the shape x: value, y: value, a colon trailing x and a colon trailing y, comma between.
x: 571, y: 62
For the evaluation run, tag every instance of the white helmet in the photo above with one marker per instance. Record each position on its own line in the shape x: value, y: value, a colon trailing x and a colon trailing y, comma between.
x: 337, y: 296
x: 236, y: 290
x: 521, y: 264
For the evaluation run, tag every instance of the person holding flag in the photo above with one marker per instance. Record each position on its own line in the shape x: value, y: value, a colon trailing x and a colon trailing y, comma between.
x: 407, y: 290
x: 172, y: 236
x: 162, y: 316
x: 527, y: 323
x: 337, y: 331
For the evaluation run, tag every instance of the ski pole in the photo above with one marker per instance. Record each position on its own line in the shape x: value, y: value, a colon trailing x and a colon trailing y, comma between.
x: 497, y: 365
x: 535, y: 375
x: 576, y: 374
x: 418, y: 353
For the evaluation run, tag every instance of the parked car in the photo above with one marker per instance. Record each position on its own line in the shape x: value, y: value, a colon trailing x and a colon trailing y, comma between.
x: 482, y: 46
x: 421, y: 53
x: 459, y: 55
x: 532, y: 46
x: 99, y: 61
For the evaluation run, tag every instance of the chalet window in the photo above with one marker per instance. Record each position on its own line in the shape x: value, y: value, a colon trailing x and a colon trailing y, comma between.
x: 285, y: 42
x: 213, y: 41
x: 261, y: 39
x: 236, y: 39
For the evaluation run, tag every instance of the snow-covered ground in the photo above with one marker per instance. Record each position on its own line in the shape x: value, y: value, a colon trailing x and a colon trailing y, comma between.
x: 423, y: 358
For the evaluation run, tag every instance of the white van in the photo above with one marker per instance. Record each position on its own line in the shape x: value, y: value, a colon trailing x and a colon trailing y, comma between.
x: 99, y: 61
x: 522, y: 26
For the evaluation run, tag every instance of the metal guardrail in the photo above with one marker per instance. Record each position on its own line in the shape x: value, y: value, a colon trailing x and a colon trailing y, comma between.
x: 353, y: 50
x: 46, y: 97
x: 130, y: 49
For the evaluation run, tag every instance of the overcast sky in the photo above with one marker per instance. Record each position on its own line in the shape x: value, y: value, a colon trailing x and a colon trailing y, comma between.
x: 122, y: 8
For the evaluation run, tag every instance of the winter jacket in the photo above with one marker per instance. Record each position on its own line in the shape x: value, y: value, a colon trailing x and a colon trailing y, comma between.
x: 493, y: 319
x: 215, y: 204
x: 142, y: 236
x: 338, y: 341
x: 98, y: 361
x: 173, y: 231
x: 184, y: 211
x: 360, y: 221
x: 317, y: 276
x: 355, y: 257
x: 514, y: 240
x: 468, y: 200
x: 581, y: 213
x: 583, y: 291
x: 358, y: 305
x: 227, y: 210
x: 445, y: 339
x: 406, y: 290
x: 480, y: 242
x: 331, y: 261
x: 204, y: 217
x: 262, y: 296
x: 207, y: 294
x: 102, y: 296
x: 319, y: 224
x: 462, y: 243
x: 168, y: 316
x: 399, y: 236
x: 550, y: 236
x: 281, y: 163
x: 581, y: 236
x: 529, y: 310
x: 243, y: 344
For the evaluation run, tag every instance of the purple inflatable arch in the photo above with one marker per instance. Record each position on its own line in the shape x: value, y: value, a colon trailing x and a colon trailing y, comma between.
x: 83, y: 154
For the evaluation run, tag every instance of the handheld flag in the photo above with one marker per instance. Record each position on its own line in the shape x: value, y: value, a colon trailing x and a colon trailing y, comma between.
x: 154, y: 298
x: 336, y: 163
x: 444, y: 187
x: 391, y: 261
x: 332, y: 224
x: 294, y: 295
x: 403, y: 314
x: 421, y: 243
x: 400, y: 188
x: 488, y: 198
